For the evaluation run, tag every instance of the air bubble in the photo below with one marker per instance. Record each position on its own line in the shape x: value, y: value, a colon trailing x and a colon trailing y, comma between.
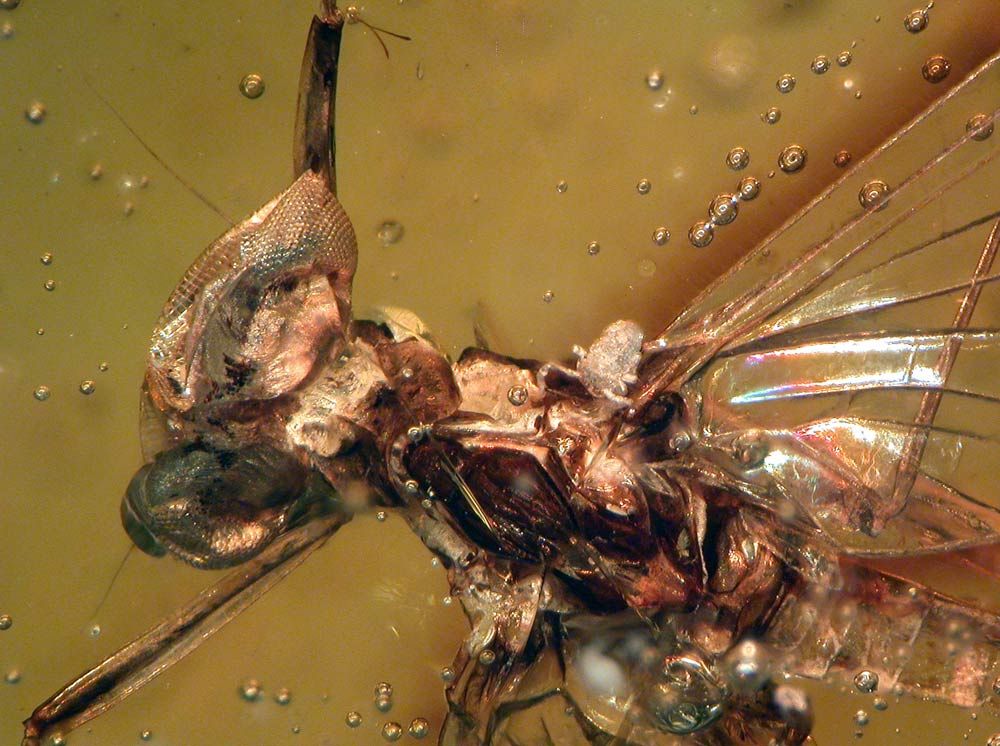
x: 146, y: 735
x: 866, y: 681
x: 419, y: 728
x: 392, y: 731
x: 644, y: 186
x: 749, y: 188
x: 6, y: 621
x: 35, y: 113
x: 87, y: 387
x: 723, y: 209
x: 487, y: 657
x: 7, y: 30
x: 792, y: 159
x: 46, y: 258
x: 593, y: 248
x: 661, y: 235
x: 820, y: 64
x: 738, y: 158
x: 250, y: 690
x: 693, y: 109
x: 380, y: 516
x: 383, y: 689
x: 701, y: 234
x: 844, y: 58
x: 980, y: 126
x: 9, y: 4
x: 447, y: 674
x: 646, y: 268
x: 548, y: 296
x: 389, y: 232
x: 517, y: 395
x: 842, y: 159
x: 353, y: 719
x: 917, y: 20
x: 40, y: 331
x: 654, y: 80
x: 95, y: 630
x: 772, y: 115
x: 42, y: 393
x: 49, y: 285
x: 861, y: 718
x: 58, y: 739
x: 873, y: 195
x: 786, y: 83
x: 936, y: 68
x: 103, y: 367
x: 880, y: 704
x: 383, y: 703
x: 12, y: 676
x: 252, y: 86
x: 283, y: 696
x: 561, y: 187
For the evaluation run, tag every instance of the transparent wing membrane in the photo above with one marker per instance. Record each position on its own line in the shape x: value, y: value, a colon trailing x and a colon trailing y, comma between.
x: 847, y: 364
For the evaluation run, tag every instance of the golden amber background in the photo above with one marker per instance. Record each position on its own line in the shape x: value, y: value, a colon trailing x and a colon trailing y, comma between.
x: 461, y: 136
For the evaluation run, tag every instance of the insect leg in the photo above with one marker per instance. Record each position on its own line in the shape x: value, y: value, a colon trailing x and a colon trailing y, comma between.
x: 314, y: 144
x: 109, y: 682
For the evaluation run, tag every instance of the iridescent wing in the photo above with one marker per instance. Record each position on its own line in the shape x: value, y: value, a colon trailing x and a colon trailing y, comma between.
x: 843, y: 373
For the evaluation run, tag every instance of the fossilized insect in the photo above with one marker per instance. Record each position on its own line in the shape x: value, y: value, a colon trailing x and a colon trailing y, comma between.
x: 669, y: 521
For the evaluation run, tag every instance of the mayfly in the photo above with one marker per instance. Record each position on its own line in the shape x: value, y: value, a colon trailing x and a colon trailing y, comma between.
x: 648, y: 536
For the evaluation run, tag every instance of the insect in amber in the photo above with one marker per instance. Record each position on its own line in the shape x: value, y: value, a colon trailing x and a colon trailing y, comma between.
x: 673, y: 519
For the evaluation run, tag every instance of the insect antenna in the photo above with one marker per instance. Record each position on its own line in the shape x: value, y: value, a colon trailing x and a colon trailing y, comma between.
x: 353, y: 15
x: 156, y: 157
x: 114, y: 579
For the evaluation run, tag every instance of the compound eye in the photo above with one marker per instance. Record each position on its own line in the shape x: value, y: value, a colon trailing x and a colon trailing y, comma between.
x: 212, y: 508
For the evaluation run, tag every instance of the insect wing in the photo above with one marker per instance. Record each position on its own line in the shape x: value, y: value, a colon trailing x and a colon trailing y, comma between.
x: 843, y: 370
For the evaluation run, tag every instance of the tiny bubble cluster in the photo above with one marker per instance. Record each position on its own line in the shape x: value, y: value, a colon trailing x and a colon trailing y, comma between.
x: 866, y: 681
x: 820, y: 64
x: 283, y: 696
x: 792, y: 159
x: 936, y: 68
x: 390, y: 232
x: 250, y: 690
x: 252, y: 86
x: 917, y: 20
x: 873, y: 195
x: 35, y: 113
x: 980, y: 126
x: 419, y: 728
x: 738, y: 158
x: 392, y: 731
